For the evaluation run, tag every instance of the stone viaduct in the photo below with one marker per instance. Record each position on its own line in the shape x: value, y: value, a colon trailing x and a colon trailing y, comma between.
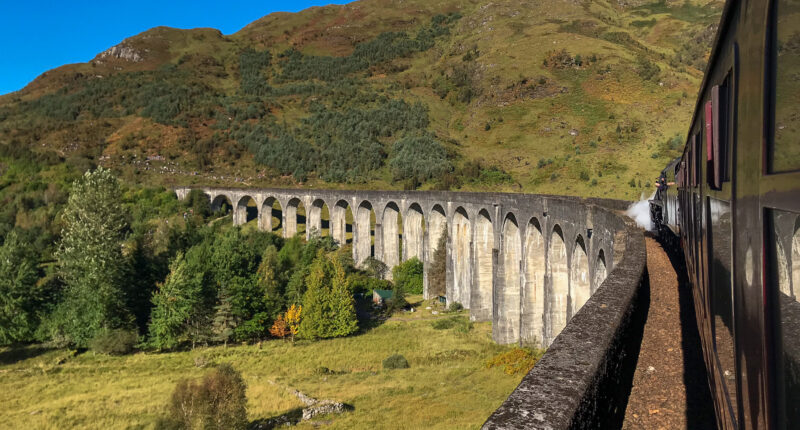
x: 526, y: 262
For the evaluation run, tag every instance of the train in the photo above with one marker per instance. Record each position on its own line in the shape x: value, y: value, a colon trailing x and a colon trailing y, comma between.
x: 731, y: 204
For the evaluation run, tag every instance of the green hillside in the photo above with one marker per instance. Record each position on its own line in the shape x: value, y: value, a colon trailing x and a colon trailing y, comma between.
x: 580, y: 98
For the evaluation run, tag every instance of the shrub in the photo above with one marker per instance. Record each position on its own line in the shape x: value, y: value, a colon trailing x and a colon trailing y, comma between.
x: 459, y: 324
x: 516, y: 360
x: 395, y: 361
x: 455, y: 307
x: 418, y: 158
x: 408, y: 276
x: 443, y: 324
x: 217, y: 401
x: 114, y: 342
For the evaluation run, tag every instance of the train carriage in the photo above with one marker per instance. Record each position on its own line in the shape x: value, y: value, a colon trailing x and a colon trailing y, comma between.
x: 734, y: 207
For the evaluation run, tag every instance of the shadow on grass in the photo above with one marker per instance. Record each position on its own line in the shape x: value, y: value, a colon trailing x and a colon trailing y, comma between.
x: 369, y: 318
x: 290, y: 418
x: 17, y: 353
x: 286, y: 419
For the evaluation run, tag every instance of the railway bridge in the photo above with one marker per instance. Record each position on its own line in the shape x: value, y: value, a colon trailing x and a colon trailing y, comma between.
x: 559, y: 272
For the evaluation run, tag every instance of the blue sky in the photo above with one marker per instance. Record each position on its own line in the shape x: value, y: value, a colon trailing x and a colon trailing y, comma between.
x: 36, y: 36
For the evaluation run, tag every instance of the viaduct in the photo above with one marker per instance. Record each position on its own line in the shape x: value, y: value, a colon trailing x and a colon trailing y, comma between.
x: 559, y: 272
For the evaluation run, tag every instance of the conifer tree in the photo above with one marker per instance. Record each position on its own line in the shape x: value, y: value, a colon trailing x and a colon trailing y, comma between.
x: 437, y: 273
x: 17, y: 291
x: 328, y: 305
x: 224, y: 320
x: 175, y: 302
x: 270, y: 283
x: 91, y: 262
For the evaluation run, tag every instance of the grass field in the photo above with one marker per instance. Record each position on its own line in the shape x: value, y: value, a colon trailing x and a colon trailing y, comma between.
x: 447, y: 386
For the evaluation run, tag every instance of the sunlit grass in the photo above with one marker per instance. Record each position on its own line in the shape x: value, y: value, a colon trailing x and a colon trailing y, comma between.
x: 447, y: 386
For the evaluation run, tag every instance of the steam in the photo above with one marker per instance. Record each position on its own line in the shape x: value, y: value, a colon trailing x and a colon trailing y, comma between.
x: 640, y: 212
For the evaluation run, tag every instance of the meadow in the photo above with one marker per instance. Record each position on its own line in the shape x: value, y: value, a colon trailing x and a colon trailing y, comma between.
x: 448, y: 384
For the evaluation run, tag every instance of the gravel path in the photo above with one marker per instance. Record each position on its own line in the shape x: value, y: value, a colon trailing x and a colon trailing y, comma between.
x: 669, y: 386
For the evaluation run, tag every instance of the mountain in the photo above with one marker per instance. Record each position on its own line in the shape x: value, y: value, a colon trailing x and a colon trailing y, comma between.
x: 564, y: 97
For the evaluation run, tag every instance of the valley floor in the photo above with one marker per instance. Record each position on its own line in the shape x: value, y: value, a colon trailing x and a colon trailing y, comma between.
x: 447, y: 386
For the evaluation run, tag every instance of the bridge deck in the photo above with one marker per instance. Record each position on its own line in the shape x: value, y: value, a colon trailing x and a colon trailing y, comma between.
x: 669, y: 386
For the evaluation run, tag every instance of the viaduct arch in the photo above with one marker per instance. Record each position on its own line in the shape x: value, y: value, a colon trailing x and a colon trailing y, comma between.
x: 528, y: 263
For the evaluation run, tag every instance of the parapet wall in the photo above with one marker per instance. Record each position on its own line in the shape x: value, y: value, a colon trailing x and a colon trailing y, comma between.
x: 583, y: 380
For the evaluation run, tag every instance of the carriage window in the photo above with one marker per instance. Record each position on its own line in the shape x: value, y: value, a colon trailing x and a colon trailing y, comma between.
x: 785, y: 151
x: 721, y: 293
x: 783, y: 236
x: 697, y: 142
x: 717, y: 134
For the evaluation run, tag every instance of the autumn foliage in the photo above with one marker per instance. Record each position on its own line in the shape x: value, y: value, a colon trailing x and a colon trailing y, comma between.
x: 288, y: 323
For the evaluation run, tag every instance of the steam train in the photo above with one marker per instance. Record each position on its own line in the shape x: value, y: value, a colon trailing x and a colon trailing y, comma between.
x: 731, y: 202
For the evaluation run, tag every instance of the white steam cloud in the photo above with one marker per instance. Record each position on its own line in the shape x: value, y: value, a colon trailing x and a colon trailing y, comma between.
x: 640, y: 212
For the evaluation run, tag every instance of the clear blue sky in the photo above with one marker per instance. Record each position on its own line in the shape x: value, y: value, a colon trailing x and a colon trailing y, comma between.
x: 37, y: 35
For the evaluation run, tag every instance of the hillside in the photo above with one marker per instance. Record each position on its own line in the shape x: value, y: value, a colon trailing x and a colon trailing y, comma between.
x: 563, y: 97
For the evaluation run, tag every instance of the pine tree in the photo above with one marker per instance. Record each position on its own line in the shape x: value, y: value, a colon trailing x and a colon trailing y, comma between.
x: 18, y: 276
x: 270, y: 283
x: 175, y: 302
x: 437, y: 273
x: 342, y: 303
x: 328, y: 305
x: 91, y: 262
x: 224, y: 321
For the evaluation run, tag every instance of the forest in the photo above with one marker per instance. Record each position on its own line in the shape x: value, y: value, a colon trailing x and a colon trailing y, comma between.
x: 139, y: 269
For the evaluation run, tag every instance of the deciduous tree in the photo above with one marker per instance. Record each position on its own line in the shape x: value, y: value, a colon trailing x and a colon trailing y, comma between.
x: 91, y: 262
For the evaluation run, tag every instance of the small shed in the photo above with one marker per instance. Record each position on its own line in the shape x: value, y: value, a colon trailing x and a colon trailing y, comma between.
x: 379, y: 297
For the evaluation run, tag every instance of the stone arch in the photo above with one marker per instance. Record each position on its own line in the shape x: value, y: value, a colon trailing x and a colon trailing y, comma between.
x: 796, y: 259
x: 391, y: 225
x: 270, y: 217
x: 533, y: 290
x: 364, y: 232
x: 221, y: 205
x: 318, y: 220
x: 600, y: 271
x: 341, y: 222
x: 559, y: 277
x: 437, y: 226
x: 579, y: 280
x: 246, y: 210
x: 413, y: 232
x: 507, y: 315
x: 462, y: 258
x: 481, y: 303
x: 295, y: 218
x: 784, y: 282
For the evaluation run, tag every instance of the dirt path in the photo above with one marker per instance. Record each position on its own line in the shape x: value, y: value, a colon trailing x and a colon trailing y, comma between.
x: 669, y: 386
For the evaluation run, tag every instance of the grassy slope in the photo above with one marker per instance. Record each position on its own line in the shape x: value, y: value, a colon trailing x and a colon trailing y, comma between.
x: 447, y: 386
x: 513, y: 39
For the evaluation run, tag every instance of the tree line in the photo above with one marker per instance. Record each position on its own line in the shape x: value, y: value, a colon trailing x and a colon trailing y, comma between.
x: 165, y: 281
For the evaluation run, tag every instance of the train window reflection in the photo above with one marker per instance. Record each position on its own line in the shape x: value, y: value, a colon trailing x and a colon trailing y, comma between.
x: 785, y: 151
x: 719, y: 237
x: 784, y: 270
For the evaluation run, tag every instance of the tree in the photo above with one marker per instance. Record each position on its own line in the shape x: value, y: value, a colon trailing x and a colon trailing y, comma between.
x: 279, y: 328
x: 293, y: 318
x: 224, y: 321
x: 437, y: 272
x: 408, y: 276
x: 328, y: 307
x: 269, y: 282
x: 217, y: 401
x: 91, y: 262
x: 18, y: 295
x: 175, y: 302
